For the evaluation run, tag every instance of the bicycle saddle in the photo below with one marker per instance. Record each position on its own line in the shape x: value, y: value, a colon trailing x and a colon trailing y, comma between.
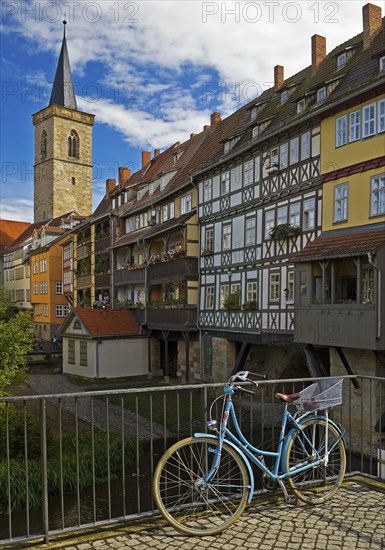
x: 288, y: 397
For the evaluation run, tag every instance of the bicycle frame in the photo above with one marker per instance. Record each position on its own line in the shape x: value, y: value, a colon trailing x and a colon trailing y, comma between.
x: 255, y: 455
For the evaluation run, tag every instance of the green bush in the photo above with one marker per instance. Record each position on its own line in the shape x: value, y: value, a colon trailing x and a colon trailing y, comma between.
x: 68, y: 475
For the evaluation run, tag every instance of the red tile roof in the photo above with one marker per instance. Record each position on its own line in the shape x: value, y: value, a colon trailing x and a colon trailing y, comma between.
x: 342, y: 244
x: 9, y: 231
x: 108, y: 322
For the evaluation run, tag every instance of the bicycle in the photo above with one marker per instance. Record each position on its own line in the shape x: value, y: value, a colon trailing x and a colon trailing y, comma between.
x: 203, y: 483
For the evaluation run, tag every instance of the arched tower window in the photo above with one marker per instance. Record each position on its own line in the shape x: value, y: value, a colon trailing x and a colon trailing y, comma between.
x: 43, y: 145
x: 73, y: 145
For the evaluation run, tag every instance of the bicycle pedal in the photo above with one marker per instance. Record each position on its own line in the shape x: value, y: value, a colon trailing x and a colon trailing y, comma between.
x: 292, y: 500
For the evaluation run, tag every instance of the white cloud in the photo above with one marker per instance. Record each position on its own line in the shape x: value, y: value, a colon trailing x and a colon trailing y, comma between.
x: 18, y: 210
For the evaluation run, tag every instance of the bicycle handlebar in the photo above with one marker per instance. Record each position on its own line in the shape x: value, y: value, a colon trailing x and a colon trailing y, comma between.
x: 243, y: 376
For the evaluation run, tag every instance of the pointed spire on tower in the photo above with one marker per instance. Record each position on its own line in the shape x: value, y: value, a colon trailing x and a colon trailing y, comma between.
x: 63, y: 92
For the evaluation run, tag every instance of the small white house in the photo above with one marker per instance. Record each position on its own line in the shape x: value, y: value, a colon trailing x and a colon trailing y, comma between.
x: 103, y: 343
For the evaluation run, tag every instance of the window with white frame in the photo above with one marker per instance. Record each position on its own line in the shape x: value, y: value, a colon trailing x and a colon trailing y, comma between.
x: 257, y: 166
x: 45, y: 310
x: 309, y: 213
x: 381, y: 116
x: 171, y: 210
x: 341, y: 131
x: 35, y: 288
x: 255, y: 132
x: 250, y: 236
x: 59, y: 287
x: 225, y: 183
x: 185, y: 204
x: 294, y: 150
x: 305, y: 146
x: 369, y: 120
x: 209, y: 297
x: 382, y: 63
x: 290, y: 287
x: 341, y: 202
x: 165, y: 212
x: 209, y: 240
x: 377, y: 195
x: 321, y: 94
x: 37, y: 310
x: 226, y: 237
x: 274, y: 154
x: 295, y: 214
x: 367, y: 285
x: 269, y: 222
x: 341, y: 60
x: 27, y: 295
x: 248, y: 172
x: 224, y: 294
x: 43, y: 287
x: 282, y: 215
x: 71, y: 351
x: 83, y: 353
x: 35, y: 268
x: 43, y: 265
x: 284, y: 96
x: 283, y: 155
x: 207, y: 190
x: 274, y: 287
x: 252, y: 292
x: 301, y: 105
x: 354, y: 126
x: 253, y: 113
x: 61, y: 311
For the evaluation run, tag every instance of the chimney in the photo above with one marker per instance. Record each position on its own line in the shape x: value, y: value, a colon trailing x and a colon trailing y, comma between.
x: 124, y: 174
x: 215, y: 118
x: 318, y: 51
x: 110, y: 186
x: 156, y: 152
x: 371, y: 19
x: 146, y: 158
x: 279, y: 78
x: 206, y: 127
x: 192, y: 135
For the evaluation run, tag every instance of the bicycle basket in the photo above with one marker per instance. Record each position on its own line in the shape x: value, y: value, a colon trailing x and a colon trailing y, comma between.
x: 320, y: 395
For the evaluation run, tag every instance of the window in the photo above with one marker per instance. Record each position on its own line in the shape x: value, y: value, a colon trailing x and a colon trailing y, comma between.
x: 73, y: 145
x: 225, y: 291
x: 382, y: 63
x: 294, y: 150
x: 284, y: 96
x: 250, y: 232
x: 269, y: 222
x: 35, y: 288
x: 35, y: 268
x: 321, y: 94
x: 255, y: 133
x: 284, y: 155
x: 37, y: 310
x: 381, y: 116
x: 253, y: 113
x: 295, y: 214
x: 355, y: 126
x: 341, y: 60
x: 305, y: 146
x: 301, y: 105
x: 71, y: 351
x: 43, y: 145
x: 20, y: 295
x: 43, y: 266
x: 341, y: 203
x: 377, y: 199
x: 367, y: 285
x: 207, y: 190
x: 83, y: 353
x: 172, y: 210
x: 252, y: 292
x: 369, y: 120
x: 289, y: 291
x: 209, y: 298
x: 341, y: 131
x: 257, y: 165
x: 226, y: 237
x: 309, y: 214
x: 225, y: 183
x: 185, y: 204
x: 61, y: 311
x: 274, y: 287
x: 43, y: 287
x: 209, y: 240
x: 59, y: 287
x: 45, y: 310
x: 274, y: 157
x: 165, y: 212
x: 282, y: 215
x: 248, y: 172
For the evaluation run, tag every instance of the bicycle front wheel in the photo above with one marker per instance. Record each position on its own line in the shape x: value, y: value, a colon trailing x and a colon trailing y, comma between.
x: 317, y: 484
x: 189, y: 502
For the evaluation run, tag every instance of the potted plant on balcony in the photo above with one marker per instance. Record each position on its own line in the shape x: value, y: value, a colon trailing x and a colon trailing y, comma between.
x: 207, y: 252
x: 251, y: 304
x: 233, y: 300
x: 284, y: 231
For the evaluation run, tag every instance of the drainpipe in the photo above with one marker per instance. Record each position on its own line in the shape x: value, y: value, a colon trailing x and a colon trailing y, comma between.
x: 378, y: 301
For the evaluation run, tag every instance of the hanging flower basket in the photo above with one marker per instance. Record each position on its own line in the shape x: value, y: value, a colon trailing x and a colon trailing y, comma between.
x: 284, y: 231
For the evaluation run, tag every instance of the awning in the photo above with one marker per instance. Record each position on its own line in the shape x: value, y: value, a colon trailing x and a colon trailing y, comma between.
x: 342, y: 244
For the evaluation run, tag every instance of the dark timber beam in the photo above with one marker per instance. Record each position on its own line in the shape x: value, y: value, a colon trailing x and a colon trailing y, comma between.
x: 348, y: 368
x: 241, y: 357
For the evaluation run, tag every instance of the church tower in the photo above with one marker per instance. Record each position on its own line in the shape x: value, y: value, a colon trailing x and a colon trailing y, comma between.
x: 63, y: 150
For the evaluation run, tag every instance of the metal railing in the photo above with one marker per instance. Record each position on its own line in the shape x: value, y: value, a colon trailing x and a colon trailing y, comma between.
x: 79, y: 460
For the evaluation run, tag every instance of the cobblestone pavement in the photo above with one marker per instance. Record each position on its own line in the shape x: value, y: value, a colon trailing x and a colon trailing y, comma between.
x: 353, y: 519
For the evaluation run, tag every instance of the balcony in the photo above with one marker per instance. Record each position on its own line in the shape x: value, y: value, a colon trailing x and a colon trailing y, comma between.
x: 83, y: 250
x: 83, y: 281
x: 179, y: 269
x: 102, y: 280
x: 102, y: 244
x: 172, y: 318
x: 129, y: 276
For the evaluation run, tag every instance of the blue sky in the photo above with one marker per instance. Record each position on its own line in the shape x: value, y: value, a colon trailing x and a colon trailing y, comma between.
x: 152, y: 71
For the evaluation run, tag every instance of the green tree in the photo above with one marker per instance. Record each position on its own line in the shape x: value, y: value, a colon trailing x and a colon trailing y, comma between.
x: 16, y: 339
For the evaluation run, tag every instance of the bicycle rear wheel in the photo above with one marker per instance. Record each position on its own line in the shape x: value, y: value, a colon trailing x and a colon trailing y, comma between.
x: 318, y: 484
x: 186, y: 501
